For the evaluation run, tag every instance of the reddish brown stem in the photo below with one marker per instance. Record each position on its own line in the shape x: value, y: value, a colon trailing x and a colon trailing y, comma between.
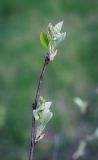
x: 34, y: 106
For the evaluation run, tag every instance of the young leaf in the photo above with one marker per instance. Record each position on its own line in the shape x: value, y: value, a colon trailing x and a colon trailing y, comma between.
x: 80, y: 151
x: 39, y: 130
x: 58, y: 27
x: 82, y: 105
x: 40, y: 137
x: 44, y: 39
x: 46, y: 116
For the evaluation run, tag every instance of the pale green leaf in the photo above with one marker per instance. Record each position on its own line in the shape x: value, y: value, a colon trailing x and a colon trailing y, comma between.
x: 46, y: 116
x: 52, y: 55
x: 42, y: 114
x: 80, y: 151
x: 39, y: 130
x: 40, y: 137
x: 82, y: 105
x: 60, y: 37
x: 47, y: 105
x: 58, y: 27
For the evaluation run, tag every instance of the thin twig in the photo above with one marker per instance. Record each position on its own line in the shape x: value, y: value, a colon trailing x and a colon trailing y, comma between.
x: 34, y: 106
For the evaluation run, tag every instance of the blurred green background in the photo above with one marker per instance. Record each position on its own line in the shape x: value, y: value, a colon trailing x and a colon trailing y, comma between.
x: 74, y: 72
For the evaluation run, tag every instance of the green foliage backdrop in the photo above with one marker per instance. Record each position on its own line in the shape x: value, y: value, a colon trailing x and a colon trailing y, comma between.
x: 74, y: 72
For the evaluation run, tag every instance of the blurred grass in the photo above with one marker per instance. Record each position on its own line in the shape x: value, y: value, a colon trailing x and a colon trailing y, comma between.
x: 73, y: 72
